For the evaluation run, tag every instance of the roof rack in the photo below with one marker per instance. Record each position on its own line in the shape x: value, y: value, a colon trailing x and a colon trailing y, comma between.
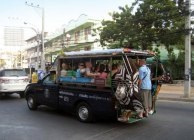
x: 108, y: 52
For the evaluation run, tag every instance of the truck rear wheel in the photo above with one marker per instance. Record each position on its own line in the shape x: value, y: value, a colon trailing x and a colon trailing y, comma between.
x: 31, y: 101
x: 84, y: 112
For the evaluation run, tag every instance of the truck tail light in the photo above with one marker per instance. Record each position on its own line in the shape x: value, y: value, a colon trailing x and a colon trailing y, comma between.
x: 4, y: 81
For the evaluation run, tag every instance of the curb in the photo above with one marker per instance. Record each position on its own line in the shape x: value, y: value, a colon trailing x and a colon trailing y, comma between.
x: 176, y: 99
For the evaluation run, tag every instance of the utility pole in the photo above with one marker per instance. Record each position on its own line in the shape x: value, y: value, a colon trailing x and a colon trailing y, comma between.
x: 187, y: 80
x: 43, y: 54
x: 42, y: 35
x: 37, y: 50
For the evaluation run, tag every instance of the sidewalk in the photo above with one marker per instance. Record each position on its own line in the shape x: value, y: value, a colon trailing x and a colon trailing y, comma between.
x: 174, y: 92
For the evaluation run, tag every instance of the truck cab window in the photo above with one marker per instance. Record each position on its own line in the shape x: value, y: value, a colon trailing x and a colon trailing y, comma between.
x: 50, y: 79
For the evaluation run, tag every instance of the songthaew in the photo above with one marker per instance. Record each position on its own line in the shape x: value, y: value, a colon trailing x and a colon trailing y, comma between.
x: 100, y: 83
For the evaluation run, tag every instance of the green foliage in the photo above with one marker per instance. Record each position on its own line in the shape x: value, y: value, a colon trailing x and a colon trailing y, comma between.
x: 149, y: 22
x: 119, y: 31
x: 154, y: 21
x: 157, y: 51
x: 176, y: 65
x: 159, y: 21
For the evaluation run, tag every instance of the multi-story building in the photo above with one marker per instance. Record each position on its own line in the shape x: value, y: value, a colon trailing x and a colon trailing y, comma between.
x: 33, y: 52
x: 80, y: 34
x: 12, y: 42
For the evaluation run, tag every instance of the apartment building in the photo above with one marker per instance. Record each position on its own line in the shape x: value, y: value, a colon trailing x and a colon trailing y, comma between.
x: 33, y: 52
x: 78, y: 35
x: 11, y: 44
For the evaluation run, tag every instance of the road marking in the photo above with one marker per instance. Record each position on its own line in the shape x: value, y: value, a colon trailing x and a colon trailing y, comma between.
x: 101, y: 133
x: 16, y: 126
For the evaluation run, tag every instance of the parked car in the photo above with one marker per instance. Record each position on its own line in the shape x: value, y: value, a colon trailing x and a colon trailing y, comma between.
x: 13, y: 81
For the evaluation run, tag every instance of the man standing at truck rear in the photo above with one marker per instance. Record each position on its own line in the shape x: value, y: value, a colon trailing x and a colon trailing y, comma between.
x: 145, y: 86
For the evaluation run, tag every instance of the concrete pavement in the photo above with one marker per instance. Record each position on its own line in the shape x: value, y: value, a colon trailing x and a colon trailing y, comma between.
x: 175, y: 92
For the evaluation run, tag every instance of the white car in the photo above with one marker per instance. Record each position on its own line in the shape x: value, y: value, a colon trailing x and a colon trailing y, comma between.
x: 13, y: 81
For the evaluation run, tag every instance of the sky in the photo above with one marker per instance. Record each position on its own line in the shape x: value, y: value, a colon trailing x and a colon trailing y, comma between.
x: 57, y: 12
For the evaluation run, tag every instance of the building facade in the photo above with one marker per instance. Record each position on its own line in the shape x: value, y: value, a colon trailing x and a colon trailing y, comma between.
x: 78, y: 35
x: 33, y: 52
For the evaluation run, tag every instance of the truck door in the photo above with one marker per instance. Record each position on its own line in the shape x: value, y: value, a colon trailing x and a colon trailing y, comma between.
x: 51, y: 90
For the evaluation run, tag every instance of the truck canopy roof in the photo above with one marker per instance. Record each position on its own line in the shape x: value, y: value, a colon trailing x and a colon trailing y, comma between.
x: 93, y: 53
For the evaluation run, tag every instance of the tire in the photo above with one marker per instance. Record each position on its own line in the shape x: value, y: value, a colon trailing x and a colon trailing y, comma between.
x: 84, y: 112
x: 31, y: 102
x: 21, y: 94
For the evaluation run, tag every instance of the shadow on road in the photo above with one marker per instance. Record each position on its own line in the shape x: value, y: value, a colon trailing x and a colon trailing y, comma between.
x: 98, y: 120
x: 9, y: 97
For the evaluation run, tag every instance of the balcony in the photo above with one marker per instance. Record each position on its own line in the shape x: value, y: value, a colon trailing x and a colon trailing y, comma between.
x: 81, y: 40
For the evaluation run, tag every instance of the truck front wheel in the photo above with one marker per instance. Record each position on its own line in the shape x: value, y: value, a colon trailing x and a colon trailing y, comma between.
x: 84, y: 112
x: 31, y: 101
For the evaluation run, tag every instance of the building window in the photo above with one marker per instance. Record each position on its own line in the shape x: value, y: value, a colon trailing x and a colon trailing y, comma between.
x: 77, y: 34
x: 87, y: 32
x: 87, y: 48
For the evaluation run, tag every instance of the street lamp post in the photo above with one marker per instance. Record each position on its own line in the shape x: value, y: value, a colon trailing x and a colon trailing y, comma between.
x: 43, y: 55
x: 42, y: 35
x: 38, y: 47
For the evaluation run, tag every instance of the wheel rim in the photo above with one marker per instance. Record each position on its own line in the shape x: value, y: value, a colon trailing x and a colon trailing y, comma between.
x: 30, y: 102
x: 83, y: 112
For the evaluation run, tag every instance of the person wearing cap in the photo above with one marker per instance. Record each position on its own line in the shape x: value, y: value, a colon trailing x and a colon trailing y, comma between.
x: 145, y: 86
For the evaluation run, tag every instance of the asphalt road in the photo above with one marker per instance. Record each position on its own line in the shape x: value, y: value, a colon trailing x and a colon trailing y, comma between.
x: 173, y: 121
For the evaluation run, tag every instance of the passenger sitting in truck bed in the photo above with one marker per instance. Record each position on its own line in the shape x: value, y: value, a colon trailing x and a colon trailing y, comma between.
x: 112, y: 75
x: 115, y: 70
x: 101, y: 73
x: 81, y: 70
x: 89, y: 72
x: 64, y: 68
x: 95, y: 68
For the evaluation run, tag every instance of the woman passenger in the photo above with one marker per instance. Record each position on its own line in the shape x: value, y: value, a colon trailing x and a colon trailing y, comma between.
x: 101, y: 73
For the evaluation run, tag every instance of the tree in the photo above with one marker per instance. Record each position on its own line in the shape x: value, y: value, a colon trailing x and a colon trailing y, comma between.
x: 118, y: 32
x: 149, y: 23
x: 154, y: 21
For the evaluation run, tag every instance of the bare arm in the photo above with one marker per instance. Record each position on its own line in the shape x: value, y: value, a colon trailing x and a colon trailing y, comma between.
x: 157, y: 78
x: 139, y: 83
x: 89, y: 74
